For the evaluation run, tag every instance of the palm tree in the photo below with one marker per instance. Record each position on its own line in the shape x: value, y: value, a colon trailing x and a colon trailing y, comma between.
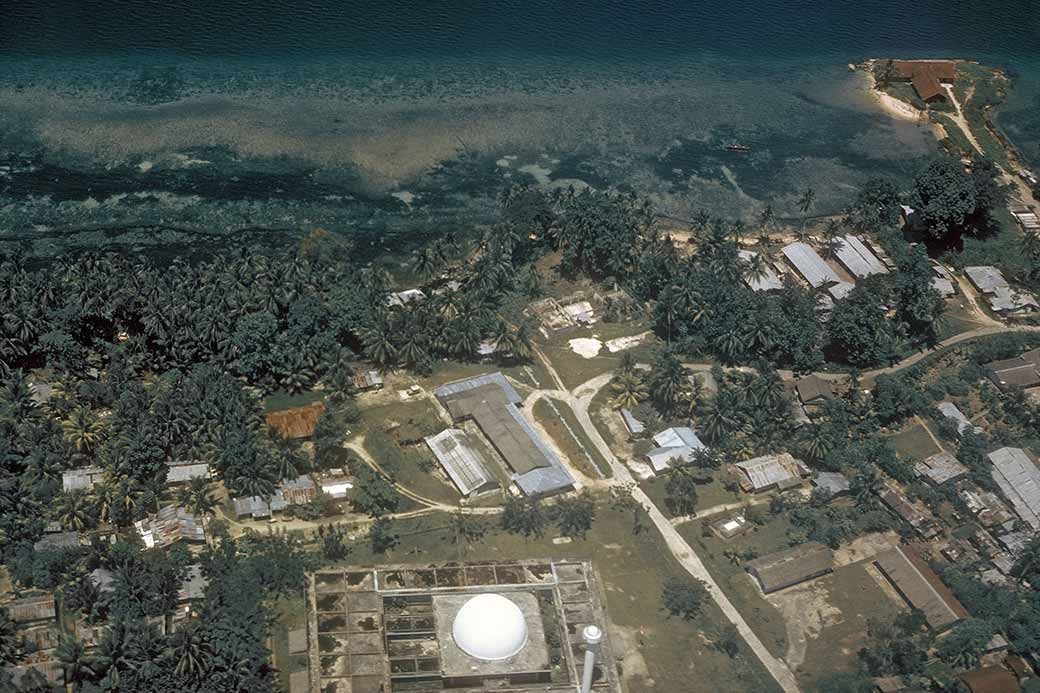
x: 191, y: 652
x: 423, y: 263
x: 115, y: 654
x: 379, y: 346
x: 832, y: 233
x: 82, y: 430
x: 195, y: 497
x: 79, y: 666
x: 805, y: 204
x: 756, y: 268
x: 767, y: 219
x: 521, y: 343
x: 105, y: 497
x: 73, y: 510
x: 629, y: 390
x: 503, y: 337
x: 816, y: 442
x: 719, y: 418
x: 10, y: 642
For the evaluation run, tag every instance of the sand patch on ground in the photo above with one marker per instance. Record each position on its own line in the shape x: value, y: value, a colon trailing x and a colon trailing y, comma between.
x: 622, y: 343
x: 626, y: 640
x: 806, y: 611
x: 585, y: 347
x: 867, y: 546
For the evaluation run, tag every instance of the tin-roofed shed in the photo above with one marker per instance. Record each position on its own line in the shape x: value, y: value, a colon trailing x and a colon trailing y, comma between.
x: 461, y: 461
x: 810, y: 265
x: 1019, y: 479
x: 857, y: 258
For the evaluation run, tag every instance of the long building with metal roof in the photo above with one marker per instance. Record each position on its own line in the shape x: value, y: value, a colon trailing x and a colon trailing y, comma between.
x: 768, y: 280
x: 491, y: 402
x: 464, y: 465
x: 921, y: 587
x: 1019, y: 479
x: 857, y: 258
x: 810, y: 265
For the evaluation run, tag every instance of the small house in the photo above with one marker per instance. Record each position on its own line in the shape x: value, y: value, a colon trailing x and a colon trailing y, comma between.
x: 168, y: 526
x: 680, y: 442
x: 941, y: 468
x: 368, y: 380
x: 950, y: 411
x: 184, y: 471
x: 58, y: 542
x: 833, y: 483
x: 926, y: 76
x: 922, y: 521
x: 770, y: 472
x: 81, y: 479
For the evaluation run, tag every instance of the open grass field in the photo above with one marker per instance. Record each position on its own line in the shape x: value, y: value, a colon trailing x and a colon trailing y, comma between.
x: 658, y: 653
x: 914, y: 442
x: 562, y: 425
x: 708, y: 495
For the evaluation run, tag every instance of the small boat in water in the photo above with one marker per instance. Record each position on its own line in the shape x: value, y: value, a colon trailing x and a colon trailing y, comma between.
x: 738, y: 147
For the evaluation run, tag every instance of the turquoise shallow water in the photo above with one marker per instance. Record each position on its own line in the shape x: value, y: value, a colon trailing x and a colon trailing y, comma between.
x: 395, y: 119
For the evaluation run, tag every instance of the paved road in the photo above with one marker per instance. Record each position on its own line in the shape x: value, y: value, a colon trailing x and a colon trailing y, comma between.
x: 675, y: 542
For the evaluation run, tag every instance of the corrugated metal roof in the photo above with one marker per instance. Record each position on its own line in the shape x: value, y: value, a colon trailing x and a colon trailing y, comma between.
x: 180, y: 472
x: 921, y: 587
x: 768, y: 281
x: 809, y: 264
x: 833, y: 482
x: 466, y: 467
x: 1008, y: 299
x: 840, y: 290
x: 81, y: 479
x: 1019, y: 479
x: 490, y: 401
x: 680, y: 442
x: 768, y: 470
x: 458, y: 387
x: 950, y: 411
x: 940, y: 468
x: 634, y: 425
x: 856, y: 257
x: 678, y: 437
x: 986, y: 278
x: 55, y: 542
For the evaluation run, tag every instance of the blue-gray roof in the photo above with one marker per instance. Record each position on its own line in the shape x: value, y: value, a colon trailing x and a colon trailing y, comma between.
x: 634, y: 425
x: 460, y: 386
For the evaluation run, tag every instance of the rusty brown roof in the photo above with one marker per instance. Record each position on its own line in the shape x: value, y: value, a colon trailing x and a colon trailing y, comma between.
x: 991, y: 680
x: 298, y: 422
x: 926, y: 75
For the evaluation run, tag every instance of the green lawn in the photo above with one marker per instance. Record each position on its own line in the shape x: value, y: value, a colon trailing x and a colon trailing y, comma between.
x: 708, y: 495
x: 281, y: 399
x: 413, y: 467
x: 574, y: 443
x: 914, y: 443
x: 632, y: 568
x: 767, y: 622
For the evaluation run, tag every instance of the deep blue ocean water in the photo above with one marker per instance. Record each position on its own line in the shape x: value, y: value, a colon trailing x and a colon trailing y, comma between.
x: 371, y: 115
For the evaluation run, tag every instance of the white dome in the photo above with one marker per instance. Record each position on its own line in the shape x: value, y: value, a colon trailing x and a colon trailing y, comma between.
x: 490, y: 627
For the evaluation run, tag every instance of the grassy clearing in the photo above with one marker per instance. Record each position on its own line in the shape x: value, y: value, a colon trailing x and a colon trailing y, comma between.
x: 575, y: 443
x: 632, y: 569
x: 708, y: 495
x: 914, y: 443
x: 450, y: 371
x: 290, y: 614
x: 282, y: 399
x: 600, y: 408
x: 764, y: 618
x: 852, y: 597
x: 575, y: 369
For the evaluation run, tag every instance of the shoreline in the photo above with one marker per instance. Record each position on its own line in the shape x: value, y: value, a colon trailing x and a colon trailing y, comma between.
x: 888, y: 103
